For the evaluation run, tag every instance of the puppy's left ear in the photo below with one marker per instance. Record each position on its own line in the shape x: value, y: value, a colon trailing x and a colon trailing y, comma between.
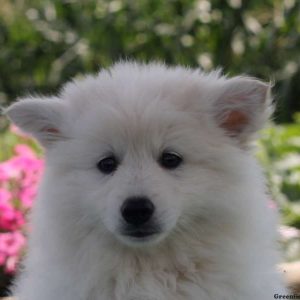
x: 43, y: 118
x: 243, y: 107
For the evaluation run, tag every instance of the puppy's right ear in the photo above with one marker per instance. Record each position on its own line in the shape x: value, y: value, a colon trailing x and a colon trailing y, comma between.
x: 43, y: 118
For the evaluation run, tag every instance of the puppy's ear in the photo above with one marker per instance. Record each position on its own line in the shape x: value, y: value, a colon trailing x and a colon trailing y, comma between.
x: 243, y: 107
x: 43, y: 118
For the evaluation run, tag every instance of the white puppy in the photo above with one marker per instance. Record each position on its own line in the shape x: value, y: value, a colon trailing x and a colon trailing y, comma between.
x: 150, y: 190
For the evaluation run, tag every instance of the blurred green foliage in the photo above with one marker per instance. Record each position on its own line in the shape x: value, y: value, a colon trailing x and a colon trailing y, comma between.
x: 279, y: 153
x: 46, y: 42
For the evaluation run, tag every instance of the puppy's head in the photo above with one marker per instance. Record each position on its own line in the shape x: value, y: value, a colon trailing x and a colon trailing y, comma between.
x: 141, y: 151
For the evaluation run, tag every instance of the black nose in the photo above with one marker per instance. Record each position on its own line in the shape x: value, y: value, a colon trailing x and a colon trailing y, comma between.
x: 137, y: 210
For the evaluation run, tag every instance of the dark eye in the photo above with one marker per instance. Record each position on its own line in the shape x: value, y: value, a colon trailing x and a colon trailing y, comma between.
x: 107, y: 165
x: 170, y: 160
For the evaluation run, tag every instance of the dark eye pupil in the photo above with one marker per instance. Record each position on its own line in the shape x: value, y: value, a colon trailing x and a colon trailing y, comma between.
x: 107, y: 165
x: 170, y: 160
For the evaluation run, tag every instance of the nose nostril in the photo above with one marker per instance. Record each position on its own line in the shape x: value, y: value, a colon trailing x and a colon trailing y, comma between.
x: 137, y: 210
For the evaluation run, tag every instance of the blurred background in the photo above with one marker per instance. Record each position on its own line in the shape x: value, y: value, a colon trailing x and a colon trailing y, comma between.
x: 45, y: 43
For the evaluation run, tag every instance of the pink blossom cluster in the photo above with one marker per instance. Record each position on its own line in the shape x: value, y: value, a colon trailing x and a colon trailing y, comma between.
x: 19, y: 176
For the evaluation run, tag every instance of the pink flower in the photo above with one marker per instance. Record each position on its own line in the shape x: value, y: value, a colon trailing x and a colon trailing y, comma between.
x: 11, y: 243
x: 3, y: 175
x: 14, y: 129
x: 11, y: 218
x: 288, y: 232
x: 5, y: 206
x: 5, y: 196
x: 27, y: 196
x: 11, y: 264
x: 2, y: 259
x: 8, y: 170
x: 24, y: 151
x: 19, y: 176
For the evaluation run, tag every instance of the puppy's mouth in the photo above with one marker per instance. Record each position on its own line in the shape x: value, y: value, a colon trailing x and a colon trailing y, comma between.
x: 141, y: 233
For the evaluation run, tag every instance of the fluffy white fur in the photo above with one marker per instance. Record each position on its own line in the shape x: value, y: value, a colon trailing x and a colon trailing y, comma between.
x: 219, y: 236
